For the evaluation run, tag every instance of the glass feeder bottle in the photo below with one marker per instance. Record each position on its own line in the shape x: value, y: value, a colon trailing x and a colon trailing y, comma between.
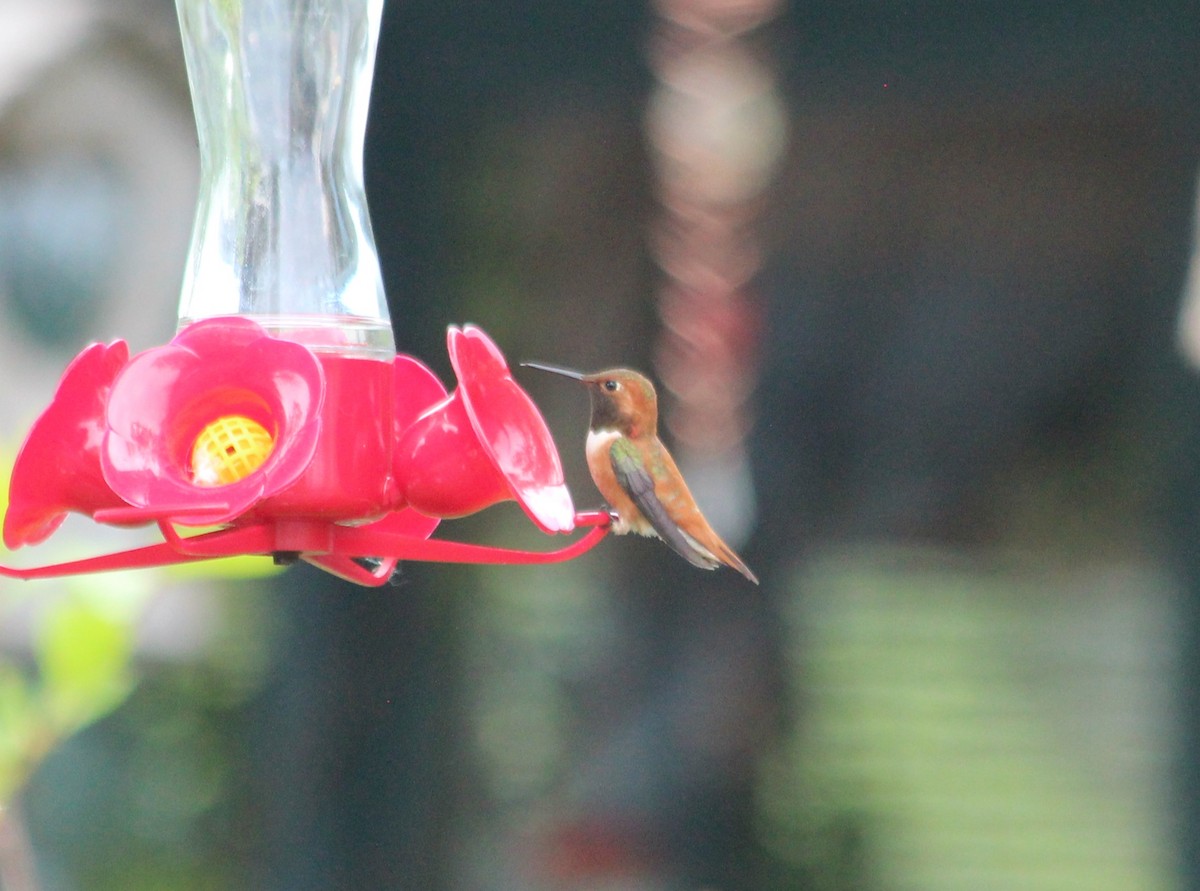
x: 282, y: 236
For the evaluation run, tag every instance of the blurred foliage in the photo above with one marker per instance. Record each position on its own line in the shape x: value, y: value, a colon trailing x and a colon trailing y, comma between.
x: 969, y: 726
x: 533, y: 632
x: 83, y: 669
x: 83, y: 655
x: 108, y: 748
x: 158, y: 780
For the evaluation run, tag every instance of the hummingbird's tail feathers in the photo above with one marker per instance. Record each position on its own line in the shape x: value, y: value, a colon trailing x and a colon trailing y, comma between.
x: 733, y: 561
x: 719, y: 553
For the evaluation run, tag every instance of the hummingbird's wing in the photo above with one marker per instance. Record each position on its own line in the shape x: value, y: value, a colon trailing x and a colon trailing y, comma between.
x: 633, y: 477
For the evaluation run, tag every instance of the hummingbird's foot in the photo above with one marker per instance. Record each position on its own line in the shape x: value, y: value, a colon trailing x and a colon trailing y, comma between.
x: 615, y: 522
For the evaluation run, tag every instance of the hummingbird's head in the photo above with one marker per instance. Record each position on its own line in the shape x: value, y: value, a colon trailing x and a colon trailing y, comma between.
x: 621, y: 398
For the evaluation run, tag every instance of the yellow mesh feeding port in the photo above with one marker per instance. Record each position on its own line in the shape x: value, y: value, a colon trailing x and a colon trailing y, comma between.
x: 229, y: 449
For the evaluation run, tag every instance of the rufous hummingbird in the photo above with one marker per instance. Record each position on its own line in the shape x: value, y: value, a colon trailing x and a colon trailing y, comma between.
x: 635, y: 473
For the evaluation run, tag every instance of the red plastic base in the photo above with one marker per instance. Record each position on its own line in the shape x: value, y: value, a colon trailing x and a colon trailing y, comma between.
x: 366, y: 555
x: 349, y: 471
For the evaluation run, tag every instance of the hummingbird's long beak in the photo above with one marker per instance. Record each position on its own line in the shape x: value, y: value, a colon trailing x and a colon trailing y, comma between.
x: 555, y: 369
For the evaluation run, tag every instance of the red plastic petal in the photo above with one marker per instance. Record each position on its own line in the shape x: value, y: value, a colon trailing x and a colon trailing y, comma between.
x: 215, y: 368
x: 58, y: 467
x: 417, y: 390
x: 511, y: 429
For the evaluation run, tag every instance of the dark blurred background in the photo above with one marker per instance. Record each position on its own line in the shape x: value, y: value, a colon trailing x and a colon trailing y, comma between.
x: 961, y: 454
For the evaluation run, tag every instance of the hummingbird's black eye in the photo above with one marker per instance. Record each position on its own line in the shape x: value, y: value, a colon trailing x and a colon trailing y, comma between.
x: 611, y: 386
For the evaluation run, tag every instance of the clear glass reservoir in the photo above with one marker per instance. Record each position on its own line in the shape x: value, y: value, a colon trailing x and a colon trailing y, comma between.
x: 282, y: 235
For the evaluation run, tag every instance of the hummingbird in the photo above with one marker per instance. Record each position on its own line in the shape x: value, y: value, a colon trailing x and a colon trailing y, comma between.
x: 636, y: 474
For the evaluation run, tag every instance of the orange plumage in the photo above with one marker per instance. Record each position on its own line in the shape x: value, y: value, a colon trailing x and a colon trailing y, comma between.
x: 637, y: 475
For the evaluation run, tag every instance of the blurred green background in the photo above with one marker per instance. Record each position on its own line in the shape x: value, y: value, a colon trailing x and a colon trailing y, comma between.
x: 973, y: 660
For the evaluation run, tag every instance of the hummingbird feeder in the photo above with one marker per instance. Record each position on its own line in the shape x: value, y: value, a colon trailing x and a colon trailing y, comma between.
x: 279, y: 421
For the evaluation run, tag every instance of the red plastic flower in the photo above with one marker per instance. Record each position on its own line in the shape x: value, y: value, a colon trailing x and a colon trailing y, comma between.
x: 484, y: 443
x: 58, y: 468
x: 203, y: 428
